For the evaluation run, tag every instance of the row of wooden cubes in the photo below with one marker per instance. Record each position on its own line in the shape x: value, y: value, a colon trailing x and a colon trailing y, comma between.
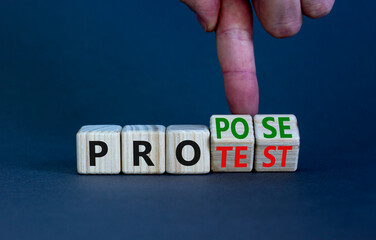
x: 235, y: 143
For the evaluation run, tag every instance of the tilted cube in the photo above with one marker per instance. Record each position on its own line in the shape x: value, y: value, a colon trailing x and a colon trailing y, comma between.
x: 277, y: 143
x: 98, y: 149
x: 187, y: 149
x: 143, y: 149
x: 232, y: 143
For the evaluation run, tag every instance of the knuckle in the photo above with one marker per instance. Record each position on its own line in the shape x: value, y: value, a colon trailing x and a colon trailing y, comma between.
x: 236, y: 34
x: 242, y: 74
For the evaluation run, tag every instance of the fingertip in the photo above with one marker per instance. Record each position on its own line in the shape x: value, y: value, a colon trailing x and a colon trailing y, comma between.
x: 202, y: 23
x: 285, y: 30
x: 317, y: 9
x: 248, y: 110
x: 281, y: 19
x: 242, y: 93
x: 207, y: 24
x: 207, y: 12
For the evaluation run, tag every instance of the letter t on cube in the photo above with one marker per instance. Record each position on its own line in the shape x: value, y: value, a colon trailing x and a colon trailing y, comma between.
x: 232, y: 143
x: 277, y: 143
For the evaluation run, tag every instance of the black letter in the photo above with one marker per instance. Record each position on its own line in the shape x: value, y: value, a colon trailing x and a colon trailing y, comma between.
x: 196, y: 157
x: 137, y: 154
x: 92, y: 152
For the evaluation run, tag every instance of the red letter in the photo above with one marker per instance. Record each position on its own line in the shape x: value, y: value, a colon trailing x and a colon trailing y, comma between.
x: 238, y: 156
x: 284, y: 154
x: 268, y: 155
x: 224, y: 154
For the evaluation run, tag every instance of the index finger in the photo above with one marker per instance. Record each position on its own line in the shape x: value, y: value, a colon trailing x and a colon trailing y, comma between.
x: 236, y: 56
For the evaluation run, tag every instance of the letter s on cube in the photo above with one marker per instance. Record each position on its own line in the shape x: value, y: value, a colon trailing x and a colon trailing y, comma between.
x: 277, y: 143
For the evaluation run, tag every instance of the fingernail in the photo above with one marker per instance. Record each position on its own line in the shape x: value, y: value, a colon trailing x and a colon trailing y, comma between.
x: 202, y: 22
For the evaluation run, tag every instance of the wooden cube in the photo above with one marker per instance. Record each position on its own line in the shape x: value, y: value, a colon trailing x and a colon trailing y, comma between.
x: 187, y: 149
x: 232, y: 143
x: 277, y: 143
x: 98, y: 149
x: 143, y: 149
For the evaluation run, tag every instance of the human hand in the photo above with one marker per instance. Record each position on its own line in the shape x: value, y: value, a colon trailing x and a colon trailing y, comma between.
x: 232, y: 22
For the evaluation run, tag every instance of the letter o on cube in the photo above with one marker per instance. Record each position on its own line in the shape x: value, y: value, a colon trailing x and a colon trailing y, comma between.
x: 187, y: 149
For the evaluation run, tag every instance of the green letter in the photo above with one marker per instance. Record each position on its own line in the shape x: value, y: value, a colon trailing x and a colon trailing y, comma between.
x: 233, y: 128
x: 282, y: 127
x: 218, y: 126
x: 270, y: 128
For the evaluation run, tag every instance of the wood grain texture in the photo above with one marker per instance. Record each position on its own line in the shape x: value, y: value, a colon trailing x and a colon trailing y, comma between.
x: 227, y: 139
x: 175, y: 134
x: 108, y: 164
x: 262, y: 142
x: 155, y: 135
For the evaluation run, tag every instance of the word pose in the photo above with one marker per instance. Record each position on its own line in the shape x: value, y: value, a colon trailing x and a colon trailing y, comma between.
x: 237, y: 143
